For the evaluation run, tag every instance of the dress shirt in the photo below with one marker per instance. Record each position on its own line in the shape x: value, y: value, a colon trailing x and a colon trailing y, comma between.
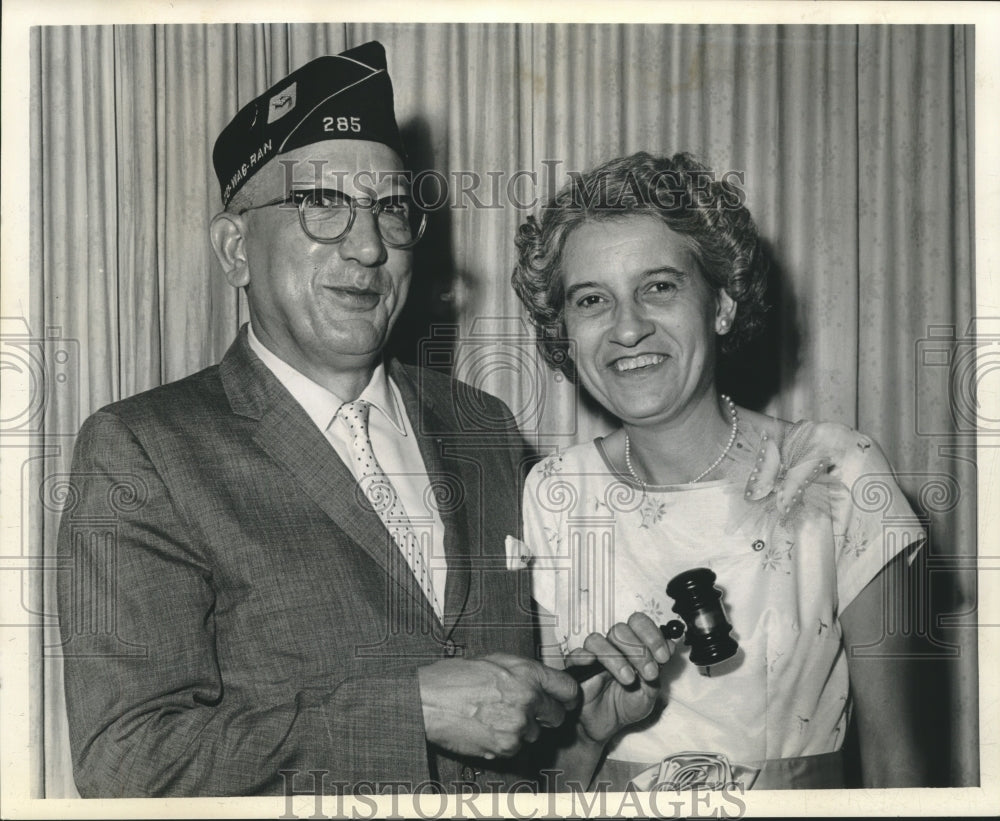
x: 393, y: 442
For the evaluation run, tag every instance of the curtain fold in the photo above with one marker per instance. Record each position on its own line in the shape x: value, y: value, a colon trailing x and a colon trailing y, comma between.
x: 855, y: 150
x: 75, y: 231
x: 915, y: 196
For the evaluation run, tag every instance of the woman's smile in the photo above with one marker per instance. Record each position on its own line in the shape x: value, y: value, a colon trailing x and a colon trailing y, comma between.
x: 642, y: 362
x: 642, y: 316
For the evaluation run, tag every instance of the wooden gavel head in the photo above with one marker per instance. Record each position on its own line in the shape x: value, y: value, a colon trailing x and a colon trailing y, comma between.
x: 705, y: 626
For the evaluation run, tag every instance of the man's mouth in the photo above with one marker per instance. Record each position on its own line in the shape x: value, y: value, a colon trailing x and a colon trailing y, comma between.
x: 632, y: 363
x: 360, y: 298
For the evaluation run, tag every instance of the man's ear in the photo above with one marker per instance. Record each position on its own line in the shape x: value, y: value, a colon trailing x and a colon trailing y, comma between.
x: 725, y: 312
x: 227, y: 233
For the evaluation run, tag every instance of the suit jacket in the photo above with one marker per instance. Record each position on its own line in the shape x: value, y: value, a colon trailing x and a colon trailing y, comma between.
x: 233, y: 609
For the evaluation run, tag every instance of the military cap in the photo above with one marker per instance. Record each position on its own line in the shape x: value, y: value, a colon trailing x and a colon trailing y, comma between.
x: 346, y: 96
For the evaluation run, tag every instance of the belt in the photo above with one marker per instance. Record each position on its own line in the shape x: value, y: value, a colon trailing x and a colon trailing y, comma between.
x: 712, y: 771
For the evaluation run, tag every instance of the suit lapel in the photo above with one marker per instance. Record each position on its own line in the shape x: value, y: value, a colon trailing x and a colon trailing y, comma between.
x: 287, y: 434
x: 429, y: 413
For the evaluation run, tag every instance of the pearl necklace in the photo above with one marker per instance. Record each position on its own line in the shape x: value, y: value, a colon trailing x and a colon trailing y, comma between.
x: 734, y: 429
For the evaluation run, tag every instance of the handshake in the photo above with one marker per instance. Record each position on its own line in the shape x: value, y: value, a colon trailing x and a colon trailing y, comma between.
x: 491, y: 706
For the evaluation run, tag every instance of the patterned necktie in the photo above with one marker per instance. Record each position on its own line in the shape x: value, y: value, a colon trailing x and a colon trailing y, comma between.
x: 383, y: 497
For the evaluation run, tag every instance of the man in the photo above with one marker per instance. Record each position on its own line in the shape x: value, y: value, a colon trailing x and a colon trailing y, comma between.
x: 306, y: 564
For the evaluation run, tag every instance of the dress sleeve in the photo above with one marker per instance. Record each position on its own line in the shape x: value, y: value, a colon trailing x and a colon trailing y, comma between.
x: 543, y: 537
x: 874, y: 521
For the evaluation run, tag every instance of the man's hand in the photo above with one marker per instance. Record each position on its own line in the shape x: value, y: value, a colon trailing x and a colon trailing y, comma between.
x: 626, y: 690
x: 490, y: 706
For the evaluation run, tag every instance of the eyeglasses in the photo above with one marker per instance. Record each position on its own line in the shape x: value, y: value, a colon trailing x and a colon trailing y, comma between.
x: 327, y: 215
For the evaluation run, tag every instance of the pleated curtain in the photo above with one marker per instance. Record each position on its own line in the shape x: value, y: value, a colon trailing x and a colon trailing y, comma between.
x: 855, y: 149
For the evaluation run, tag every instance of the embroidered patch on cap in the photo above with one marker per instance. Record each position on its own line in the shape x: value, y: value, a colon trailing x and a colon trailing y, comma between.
x: 281, y: 103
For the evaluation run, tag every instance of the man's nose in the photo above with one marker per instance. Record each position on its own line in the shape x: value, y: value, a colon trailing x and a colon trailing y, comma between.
x: 363, y: 243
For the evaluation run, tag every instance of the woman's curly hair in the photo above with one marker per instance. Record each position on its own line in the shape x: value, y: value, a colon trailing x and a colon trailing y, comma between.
x: 680, y: 192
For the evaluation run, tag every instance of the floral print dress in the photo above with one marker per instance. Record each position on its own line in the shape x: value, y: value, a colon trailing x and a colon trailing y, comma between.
x: 791, y: 546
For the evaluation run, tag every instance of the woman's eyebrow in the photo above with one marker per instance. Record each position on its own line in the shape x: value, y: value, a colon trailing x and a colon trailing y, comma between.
x: 573, y: 290
x: 665, y: 269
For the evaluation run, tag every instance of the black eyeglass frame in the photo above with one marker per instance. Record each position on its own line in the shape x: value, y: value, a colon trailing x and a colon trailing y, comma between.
x: 302, y: 198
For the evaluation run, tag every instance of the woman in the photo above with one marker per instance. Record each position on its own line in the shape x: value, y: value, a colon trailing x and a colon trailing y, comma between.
x: 637, y: 275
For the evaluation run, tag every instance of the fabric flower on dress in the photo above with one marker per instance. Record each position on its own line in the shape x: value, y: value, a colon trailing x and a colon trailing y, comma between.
x: 652, y: 607
x: 778, y: 558
x: 651, y: 510
x: 554, y: 538
x: 551, y: 466
x: 854, y: 543
x: 787, y: 485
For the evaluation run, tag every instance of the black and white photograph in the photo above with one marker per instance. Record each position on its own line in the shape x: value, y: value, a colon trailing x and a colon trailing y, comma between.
x: 569, y: 412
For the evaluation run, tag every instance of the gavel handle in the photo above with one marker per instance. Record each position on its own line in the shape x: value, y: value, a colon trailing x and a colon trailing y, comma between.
x: 670, y: 631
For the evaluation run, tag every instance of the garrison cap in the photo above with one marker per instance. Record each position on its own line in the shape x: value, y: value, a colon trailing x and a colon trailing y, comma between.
x: 346, y: 96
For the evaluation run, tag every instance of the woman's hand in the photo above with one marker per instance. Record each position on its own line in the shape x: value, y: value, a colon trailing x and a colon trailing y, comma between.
x: 625, y: 690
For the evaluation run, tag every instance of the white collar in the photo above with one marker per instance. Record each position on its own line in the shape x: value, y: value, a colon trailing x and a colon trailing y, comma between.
x: 321, y: 404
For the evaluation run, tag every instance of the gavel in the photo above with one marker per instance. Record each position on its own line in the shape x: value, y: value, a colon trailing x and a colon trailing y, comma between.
x: 705, y: 626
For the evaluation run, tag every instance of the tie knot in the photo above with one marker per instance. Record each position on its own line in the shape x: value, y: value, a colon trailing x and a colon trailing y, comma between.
x: 355, y: 414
